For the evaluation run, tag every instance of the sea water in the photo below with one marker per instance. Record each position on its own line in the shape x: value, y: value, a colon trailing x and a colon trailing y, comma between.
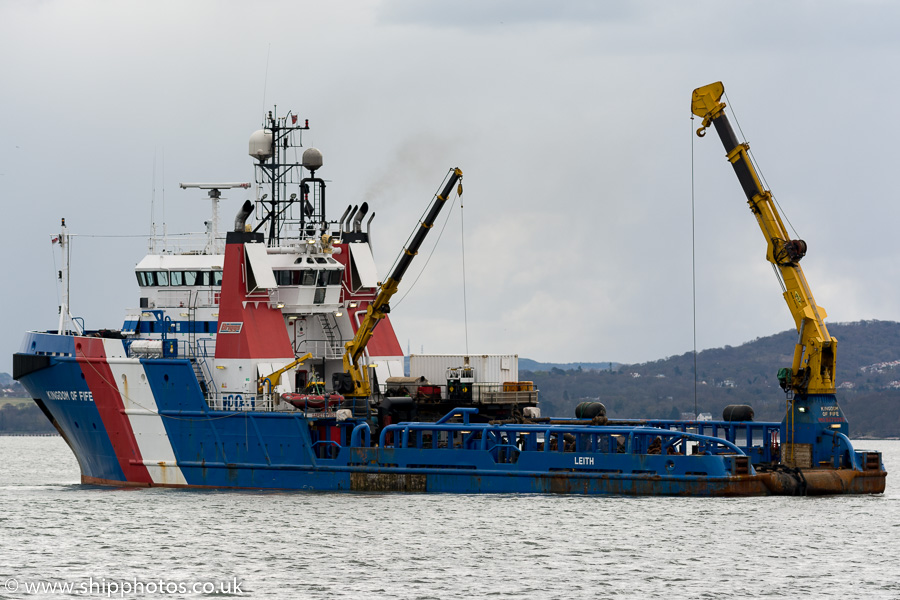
x: 105, y: 542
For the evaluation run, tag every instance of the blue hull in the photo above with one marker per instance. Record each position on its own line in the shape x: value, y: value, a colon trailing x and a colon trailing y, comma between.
x: 146, y: 422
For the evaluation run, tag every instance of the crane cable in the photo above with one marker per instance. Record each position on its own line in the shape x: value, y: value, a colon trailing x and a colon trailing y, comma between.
x: 759, y: 171
x: 430, y: 254
x: 462, y: 242
x: 693, y: 266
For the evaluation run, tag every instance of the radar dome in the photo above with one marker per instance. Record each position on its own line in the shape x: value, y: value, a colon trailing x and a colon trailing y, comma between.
x: 261, y: 144
x: 312, y: 158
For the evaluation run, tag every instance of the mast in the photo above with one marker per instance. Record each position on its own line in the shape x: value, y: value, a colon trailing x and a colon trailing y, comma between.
x: 65, y: 315
x: 213, y: 244
x: 275, y: 170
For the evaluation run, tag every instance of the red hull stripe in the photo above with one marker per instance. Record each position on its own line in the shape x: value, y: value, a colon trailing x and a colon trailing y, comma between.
x: 101, y: 381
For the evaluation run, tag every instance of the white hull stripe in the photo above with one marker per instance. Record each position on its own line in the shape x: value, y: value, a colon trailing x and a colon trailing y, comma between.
x: 142, y: 412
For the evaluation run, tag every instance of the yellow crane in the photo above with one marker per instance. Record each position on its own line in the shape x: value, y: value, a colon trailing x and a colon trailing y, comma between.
x: 354, y: 381
x: 271, y: 381
x: 813, y: 368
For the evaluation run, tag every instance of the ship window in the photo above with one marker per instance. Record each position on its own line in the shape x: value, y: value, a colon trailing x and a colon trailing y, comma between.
x: 288, y: 277
x: 334, y: 277
x: 320, y: 260
x: 309, y: 277
x: 320, y: 296
x: 142, y: 278
x: 203, y: 278
x: 162, y: 278
x: 217, y: 277
x: 191, y: 278
x: 323, y: 278
x: 176, y: 278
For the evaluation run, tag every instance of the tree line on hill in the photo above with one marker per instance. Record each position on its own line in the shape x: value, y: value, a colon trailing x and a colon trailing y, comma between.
x: 24, y: 418
x: 868, y: 379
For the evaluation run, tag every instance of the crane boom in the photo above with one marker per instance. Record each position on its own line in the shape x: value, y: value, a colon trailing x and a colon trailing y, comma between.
x: 813, y: 367
x: 354, y: 381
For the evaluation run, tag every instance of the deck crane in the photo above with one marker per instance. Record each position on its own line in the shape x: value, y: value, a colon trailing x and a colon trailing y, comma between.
x: 809, y: 382
x: 354, y: 381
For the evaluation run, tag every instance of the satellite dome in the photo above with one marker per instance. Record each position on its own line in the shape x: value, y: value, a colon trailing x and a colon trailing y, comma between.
x: 261, y: 144
x: 312, y: 159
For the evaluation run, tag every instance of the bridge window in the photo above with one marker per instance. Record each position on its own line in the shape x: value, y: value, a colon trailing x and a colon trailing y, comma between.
x: 309, y: 277
x: 292, y: 277
x: 329, y: 277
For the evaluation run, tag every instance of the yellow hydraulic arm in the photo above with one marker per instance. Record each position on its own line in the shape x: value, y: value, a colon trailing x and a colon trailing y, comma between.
x: 354, y: 381
x: 273, y: 379
x: 812, y: 371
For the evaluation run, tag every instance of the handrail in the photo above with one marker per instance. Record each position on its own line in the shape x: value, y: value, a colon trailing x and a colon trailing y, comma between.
x: 404, y: 429
x: 844, y: 442
x: 361, y: 430
x: 464, y: 412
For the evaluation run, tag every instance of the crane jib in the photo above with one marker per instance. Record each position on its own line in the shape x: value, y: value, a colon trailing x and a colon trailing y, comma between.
x: 733, y: 149
x: 354, y: 381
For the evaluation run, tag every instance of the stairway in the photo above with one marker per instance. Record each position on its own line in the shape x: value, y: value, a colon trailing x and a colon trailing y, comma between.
x: 334, y: 345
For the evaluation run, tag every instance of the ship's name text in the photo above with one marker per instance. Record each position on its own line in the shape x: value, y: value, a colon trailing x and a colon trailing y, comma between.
x: 76, y: 395
x: 584, y: 460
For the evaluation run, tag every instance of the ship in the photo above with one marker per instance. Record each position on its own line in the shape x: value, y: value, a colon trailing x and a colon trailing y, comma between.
x: 266, y: 359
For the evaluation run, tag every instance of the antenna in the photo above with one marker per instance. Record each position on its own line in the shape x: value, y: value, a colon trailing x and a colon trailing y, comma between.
x: 65, y: 314
x: 165, y: 229
x: 152, y: 247
x: 266, y: 78
x: 212, y: 229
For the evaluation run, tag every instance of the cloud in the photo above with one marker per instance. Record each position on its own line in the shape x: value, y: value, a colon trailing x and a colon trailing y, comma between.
x: 497, y: 13
x: 570, y: 121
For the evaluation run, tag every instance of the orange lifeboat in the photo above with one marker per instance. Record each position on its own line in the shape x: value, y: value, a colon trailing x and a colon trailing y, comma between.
x: 314, y: 397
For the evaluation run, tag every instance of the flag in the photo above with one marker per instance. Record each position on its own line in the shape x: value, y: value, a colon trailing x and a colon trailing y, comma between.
x: 55, y: 240
x: 293, y: 119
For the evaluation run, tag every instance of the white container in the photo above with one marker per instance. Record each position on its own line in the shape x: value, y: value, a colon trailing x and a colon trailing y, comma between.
x: 489, y: 368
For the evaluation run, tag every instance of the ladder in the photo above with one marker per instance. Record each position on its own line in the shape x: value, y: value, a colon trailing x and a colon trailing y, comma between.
x: 334, y: 346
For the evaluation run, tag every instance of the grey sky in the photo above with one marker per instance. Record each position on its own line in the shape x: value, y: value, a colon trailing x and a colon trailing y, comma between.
x: 570, y: 120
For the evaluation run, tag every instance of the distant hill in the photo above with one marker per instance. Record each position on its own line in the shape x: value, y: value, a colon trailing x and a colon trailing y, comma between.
x: 532, y: 365
x: 868, y: 377
x: 10, y: 388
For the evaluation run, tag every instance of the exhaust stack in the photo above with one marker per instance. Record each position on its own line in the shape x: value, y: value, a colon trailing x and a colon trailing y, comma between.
x: 241, y: 219
x: 357, y: 220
